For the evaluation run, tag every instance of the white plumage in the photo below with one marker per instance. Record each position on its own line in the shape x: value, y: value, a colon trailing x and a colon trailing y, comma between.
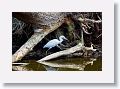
x: 54, y: 42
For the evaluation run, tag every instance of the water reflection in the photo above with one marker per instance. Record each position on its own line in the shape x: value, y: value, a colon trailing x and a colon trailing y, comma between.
x: 71, y: 64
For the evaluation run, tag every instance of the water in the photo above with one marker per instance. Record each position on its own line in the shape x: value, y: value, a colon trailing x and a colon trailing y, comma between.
x: 68, y: 64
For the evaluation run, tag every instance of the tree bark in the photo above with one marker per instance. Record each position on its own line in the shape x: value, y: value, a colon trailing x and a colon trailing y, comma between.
x: 40, y: 20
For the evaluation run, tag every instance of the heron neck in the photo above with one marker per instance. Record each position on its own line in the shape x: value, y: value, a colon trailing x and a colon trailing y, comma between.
x: 60, y: 39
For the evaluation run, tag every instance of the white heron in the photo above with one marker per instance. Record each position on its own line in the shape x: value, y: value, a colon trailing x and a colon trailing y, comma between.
x: 55, y: 42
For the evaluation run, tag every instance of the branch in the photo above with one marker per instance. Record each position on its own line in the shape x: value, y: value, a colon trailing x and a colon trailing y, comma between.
x: 89, y: 20
x: 84, y: 29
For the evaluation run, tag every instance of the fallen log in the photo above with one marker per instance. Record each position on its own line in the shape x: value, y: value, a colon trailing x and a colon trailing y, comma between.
x: 66, y: 52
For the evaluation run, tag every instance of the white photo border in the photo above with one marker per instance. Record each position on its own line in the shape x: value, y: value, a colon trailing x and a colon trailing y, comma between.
x: 104, y: 76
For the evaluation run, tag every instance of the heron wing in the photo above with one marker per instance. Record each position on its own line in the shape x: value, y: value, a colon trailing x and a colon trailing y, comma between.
x: 52, y: 43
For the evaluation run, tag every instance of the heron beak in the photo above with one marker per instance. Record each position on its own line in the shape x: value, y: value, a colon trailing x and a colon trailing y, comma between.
x: 66, y: 39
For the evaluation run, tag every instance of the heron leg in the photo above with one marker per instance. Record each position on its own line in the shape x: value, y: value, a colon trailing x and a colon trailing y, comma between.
x: 59, y: 47
x: 62, y: 45
x: 48, y: 50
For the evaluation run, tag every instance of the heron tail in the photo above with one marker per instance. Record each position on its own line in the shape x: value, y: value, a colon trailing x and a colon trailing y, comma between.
x: 44, y: 46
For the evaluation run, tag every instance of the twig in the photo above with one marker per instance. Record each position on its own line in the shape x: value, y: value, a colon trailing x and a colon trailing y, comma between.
x: 99, y: 35
x: 20, y: 63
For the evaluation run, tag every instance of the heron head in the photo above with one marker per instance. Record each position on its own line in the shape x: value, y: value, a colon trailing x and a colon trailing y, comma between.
x: 63, y: 37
